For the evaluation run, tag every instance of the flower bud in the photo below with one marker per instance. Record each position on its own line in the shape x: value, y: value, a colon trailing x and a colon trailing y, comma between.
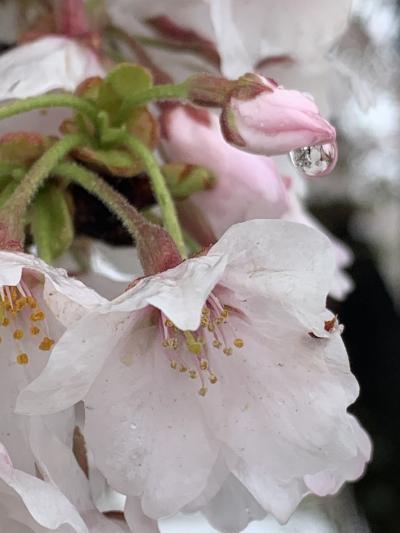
x: 263, y: 118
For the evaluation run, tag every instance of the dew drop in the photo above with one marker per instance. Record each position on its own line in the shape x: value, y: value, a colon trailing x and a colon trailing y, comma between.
x: 318, y: 160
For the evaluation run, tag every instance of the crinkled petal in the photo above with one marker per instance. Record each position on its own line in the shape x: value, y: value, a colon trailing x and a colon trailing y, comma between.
x: 68, y: 298
x: 283, y: 265
x: 284, y: 407
x: 179, y: 292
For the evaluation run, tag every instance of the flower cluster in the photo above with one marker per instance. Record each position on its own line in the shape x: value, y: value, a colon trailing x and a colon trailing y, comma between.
x: 206, y: 371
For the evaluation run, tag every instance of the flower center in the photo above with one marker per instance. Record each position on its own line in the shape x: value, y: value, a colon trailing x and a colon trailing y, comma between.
x: 191, y: 352
x: 22, y: 317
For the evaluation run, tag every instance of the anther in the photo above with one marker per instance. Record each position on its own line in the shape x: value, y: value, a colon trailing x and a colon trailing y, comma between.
x: 18, y: 334
x: 213, y: 379
x: 22, y: 359
x: 204, y: 364
x: 46, y: 344
x: 192, y: 374
x: 182, y: 368
x: 238, y: 343
x: 37, y: 316
x: 5, y: 321
x: 227, y: 351
x: 34, y: 330
x: 217, y: 344
x: 173, y: 365
x: 203, y: 391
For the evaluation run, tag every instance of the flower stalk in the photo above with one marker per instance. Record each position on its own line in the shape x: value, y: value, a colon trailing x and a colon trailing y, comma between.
x: 156, y: 249
x: 47, y: 101
x: 160, y: 189
x: 12, y: 214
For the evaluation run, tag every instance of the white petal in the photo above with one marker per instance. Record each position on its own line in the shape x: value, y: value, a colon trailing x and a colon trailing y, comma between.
x: 290, y: 265
x: 155, y: 444
x: 284, y: 416
x: 179, y: 292
x: 47, y: 505
x: 75, y: 362
x: 46, y: 64
x: 137, y: 521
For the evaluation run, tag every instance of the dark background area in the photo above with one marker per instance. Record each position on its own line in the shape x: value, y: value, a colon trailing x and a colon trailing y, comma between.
x: 372, y: 338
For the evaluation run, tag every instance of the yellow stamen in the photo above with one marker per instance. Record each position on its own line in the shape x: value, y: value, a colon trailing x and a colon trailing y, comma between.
x: 192, y: 343
x: 46, y: 344
x: 35, y: 330
x: 204, y: 364
x: 174, y: 364
x: 18, y: 334
x: 5, y: 322
x: 22, y: 359
x: 238, y: 343
x: 192, y: 374
x: 203, y: 391
x: 213, y: 379
x: 227, y: 351
x: 37, y: 316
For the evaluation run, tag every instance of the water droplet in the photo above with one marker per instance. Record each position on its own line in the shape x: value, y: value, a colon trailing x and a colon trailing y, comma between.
x: 318, y: 160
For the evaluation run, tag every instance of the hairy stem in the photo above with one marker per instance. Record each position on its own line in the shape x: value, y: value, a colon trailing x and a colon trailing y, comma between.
x: 49, y: 100
x: 93, y: 184
x: 38, y: 173
x: 160, y: 189
x: 168, y: 91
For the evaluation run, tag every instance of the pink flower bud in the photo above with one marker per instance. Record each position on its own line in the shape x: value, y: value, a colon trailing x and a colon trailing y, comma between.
x: 272, y: 120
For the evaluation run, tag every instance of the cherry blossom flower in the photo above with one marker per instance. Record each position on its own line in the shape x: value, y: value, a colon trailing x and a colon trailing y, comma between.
x: 248, y: 186
x: 37, y: 303
x: 230, y: 356
x: 274, y: 120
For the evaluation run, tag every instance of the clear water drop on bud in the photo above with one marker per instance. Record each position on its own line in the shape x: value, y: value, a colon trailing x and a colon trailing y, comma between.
x: 318, y: 160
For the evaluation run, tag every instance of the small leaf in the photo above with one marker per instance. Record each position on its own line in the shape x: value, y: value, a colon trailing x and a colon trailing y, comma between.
x: 23, y: 147
x: 127, y: 79
x: 117, y: 162
x: 184, y: 179
x: 51, y: 222
x: 124, y: 80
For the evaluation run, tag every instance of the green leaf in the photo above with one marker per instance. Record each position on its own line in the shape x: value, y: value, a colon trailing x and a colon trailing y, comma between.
x: 123, y: 81
x: 127, y: 79
x: 51, y: 222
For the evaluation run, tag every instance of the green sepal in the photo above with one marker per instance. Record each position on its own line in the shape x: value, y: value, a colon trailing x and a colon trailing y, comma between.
x: 184, y: 179
x: 7, y: 191
x: 51, y: 222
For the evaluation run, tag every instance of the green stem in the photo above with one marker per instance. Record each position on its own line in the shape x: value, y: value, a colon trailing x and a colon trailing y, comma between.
x: 167, y: 91
x: 39, y: 172
x: 118, y: 204
x: 160, y: 189
x: 49, y: 100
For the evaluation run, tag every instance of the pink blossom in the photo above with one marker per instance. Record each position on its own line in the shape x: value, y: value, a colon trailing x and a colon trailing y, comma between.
x: 226, y: 363
x: 270, y: 120
x: 247, y: 186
